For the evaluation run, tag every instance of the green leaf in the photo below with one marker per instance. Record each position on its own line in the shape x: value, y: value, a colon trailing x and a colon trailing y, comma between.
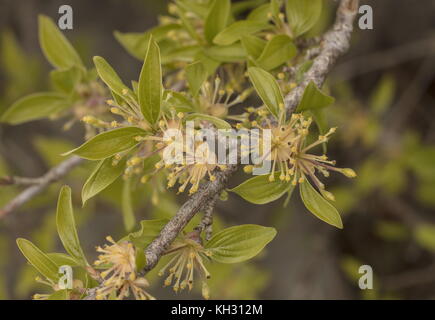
x: 321, y: 121
x: 239, y: 243
x: 127, y: 206
x: 231, y: 53
x: 275, y: 8
x: 65, y: 81
x: 196, y: 75
x: 278, y: 51
x: 302, y: 15
x: 260, y: 13
x: 259, y: 190
x: 314, y: 99
x: 104, y: 175
x: 66, y: 226
x: 178, y: 101
x: 424, y: 235
x: 39, y: 260
x: 62, y: 259
x: 219, y: 123
x: 241, y: 6
x: 237, y: 30
x: 150, y: 84
x: 35, y: 106
x: 253, y: 45
x: 108, y: 143
x: 149, y: 230
x: 200, y: 9
x: 318, y: 206
x: 183, y: 54
x: 217, y: 18
x: 268, y: 89
x: 109, y: 76
x: 136, y: 43
x: 57, y: 49
x: 210, y: 64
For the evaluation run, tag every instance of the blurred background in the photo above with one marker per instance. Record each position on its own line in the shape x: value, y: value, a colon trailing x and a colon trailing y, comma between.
x: 385, y: 113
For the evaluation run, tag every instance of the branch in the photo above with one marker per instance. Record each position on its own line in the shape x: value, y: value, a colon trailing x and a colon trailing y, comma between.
x: 207, y: 219
x: 38, y: 184
x: 197, y: 202
x: 335, y: 43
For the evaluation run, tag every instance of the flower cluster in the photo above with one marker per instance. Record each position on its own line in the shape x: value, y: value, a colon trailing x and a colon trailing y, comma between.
x: 120, y: 277
x: 187, y: 257
x: 290, y: 151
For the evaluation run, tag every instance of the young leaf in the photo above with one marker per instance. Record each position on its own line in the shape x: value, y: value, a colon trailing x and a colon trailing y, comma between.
x: 219, y: 123
x: 104, y: 175
x: 127, y: 206
x: 241, y: 6
x: 61, y: 259
x: 318, y: 206
x: 35, y: 106
x: 260, y: 13
x: 278, y: 51
x: 239, y: 243
x: 57, y: 49
x: 109, y: 76
x: 231, y: 53
x: 210, y: 64
x: 253, y: 45
x: 314, y: 99
x: 150, y: 84
x: 66, y: 226
x: 183, y: 54
x: 39, y: 260
x: 108, y: 143
x: 196, y: 74
x: 268, y: 89
x: 259, y: 190
x: 196, y: 7
x: 135, y: 43
x: 178, y: 101
x: 237, y: 30
x: 217, y: 18
x: 65, y: 81
x: 302, y: 15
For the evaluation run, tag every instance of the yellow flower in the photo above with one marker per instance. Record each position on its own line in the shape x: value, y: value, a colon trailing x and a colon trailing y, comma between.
x: 120, y: 277
x: 199, y: 163
x: 187, y: 257
x: 290, y: 153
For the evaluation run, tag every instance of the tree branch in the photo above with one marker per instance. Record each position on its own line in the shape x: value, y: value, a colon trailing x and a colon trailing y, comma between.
x: 335, y: 43
x: 38, y: 184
